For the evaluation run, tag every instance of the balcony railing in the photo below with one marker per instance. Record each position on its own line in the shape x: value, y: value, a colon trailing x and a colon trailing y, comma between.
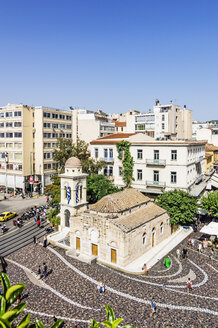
x: 108, y: 159
x: 158, y: 162
x: 155, y: 184
x: 199, y: 159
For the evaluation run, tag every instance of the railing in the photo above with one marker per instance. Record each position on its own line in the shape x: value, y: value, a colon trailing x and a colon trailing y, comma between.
x: 156, y: 184
x: 199, y: 159
x: 160, y: 162
x: 108, y: 159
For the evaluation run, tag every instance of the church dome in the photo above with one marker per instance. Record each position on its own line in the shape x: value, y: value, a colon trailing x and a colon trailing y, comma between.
x: 73, y: 162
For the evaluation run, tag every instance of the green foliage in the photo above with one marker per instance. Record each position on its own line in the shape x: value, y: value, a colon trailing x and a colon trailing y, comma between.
x: 8, y: 313
x: 210, y: 202
x: 66, y: 149
x: 124, y: 155
x: 52, y: 216
x: 99, y: 186
x: 111, y: 321
x: 180, y: 205
x: 54, y: 191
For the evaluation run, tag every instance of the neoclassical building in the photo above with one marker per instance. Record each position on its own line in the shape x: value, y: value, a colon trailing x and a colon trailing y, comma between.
x: 116, y: 230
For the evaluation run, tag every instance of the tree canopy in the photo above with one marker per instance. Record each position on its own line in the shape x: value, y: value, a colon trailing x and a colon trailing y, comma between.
x: 66, y: 149
x: 125, y: 156
x: 180, y: 205
x: 210, y: 203
x: 99, y: 186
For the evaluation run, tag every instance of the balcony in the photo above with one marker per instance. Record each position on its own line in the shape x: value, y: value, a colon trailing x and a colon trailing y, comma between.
x: 199, y: 179
x: 156, y: 162
x: 199, y: 159
x: 108, y: 159
x: 155, y: 184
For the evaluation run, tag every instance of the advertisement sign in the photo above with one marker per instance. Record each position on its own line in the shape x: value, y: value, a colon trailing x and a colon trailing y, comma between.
x: 31, y: 180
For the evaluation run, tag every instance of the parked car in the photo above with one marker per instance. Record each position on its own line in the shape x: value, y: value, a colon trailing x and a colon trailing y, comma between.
x: 7, y: 216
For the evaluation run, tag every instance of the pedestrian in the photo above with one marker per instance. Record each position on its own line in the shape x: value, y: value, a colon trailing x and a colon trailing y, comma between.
x: 38, y: 223
x: 184, y: 253
x: 167, y: 262
x: 144, y: 268
x: 199, y: 248
x: 35, y: 219
x: 189, y: 285
x: 178, y: 253
x: 153, y: 307
x: 100, y: 287
x: 192, y: 242
x: 47, y: 199
x: 34, y: 240
x: 44, y: 270
x: 205, y: 243
x: 39, y: 270
x: 211, y: 253
x: 45, y: 242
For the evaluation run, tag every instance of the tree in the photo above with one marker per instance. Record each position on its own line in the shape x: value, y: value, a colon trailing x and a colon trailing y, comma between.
x: 66, y: 149
x: 8, y: 312
x: 210, y: 202
x: 180, y: 205
x: 63, y: 151
x: 124, y: 155
x: 99, y: 186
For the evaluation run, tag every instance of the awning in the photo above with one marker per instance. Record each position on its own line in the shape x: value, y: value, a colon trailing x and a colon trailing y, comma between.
x: 210, y: 229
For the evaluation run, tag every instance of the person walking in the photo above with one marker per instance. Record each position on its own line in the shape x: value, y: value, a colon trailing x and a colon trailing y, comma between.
x: 153, y: 307
x: 44, y: 270
x: 45, y: 241
x: 144, y: 268
x: 184, y: 253
x: 47, y: 199
x: 39, y: 271
x: 199, y: 248
x: 189, y: 285
x: 178, y: 253
x: 211, y: 256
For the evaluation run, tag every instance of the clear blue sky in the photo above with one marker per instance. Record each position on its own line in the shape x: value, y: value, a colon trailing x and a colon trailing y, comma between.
x: 112, y: 55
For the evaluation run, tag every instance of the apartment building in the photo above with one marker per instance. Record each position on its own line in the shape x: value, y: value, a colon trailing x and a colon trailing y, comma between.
x: 209, y: 134
x: 49, y: 125
x: 16, y: 145
x: 88, y: 125
x: 158, y: 165
x: 28, y: 138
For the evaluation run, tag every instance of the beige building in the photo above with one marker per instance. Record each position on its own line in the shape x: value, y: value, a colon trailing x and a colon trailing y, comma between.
x: 28, y: 138
x: 106, y: 230
x: 16, y: 145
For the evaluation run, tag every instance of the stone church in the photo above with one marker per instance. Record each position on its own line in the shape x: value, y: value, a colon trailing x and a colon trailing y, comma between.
x: 116, y: 230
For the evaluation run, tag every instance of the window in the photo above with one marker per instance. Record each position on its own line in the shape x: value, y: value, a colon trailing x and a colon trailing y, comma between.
x: 173, y: 155
x: 9, y: 145
x: 47, y: 135
x: 18, y: 156
x: 163, y: 117
x: 69, y: 126
x: 111, y: 153
x: 2, y: 144
x: 62, y: 126
x: 18, y: 134
x: 55, y: 116
x: 47, y: 155
x: 46, y: 114
x: 62, y: 117
x: 8, y: 114
x: 17, y: 124
x: 96, y: 152
x: 105, y: 154
x: 68, y: 118
x: 9, y: 124
x: 163, y: 126
x: 120, y: 171
x: 139, y: 174
x: 173, y: 177
x: 54, y: 125
x: 2, y: 114
x: 2, y: 135
x: 161, y: 228
x: 110, y: 171
x: 9, y: 135
x: 1, y: 124
x: 144, y: 237
x: 17, y: 145
x: 156, y: 154
x: 54, y: 135
x: 139, y: 153
x: 17, y: 113
x: 46, y: 125
x: 156, y: 176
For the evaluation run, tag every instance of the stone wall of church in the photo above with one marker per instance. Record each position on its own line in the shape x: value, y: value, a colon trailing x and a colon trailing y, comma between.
x: 139, y: 241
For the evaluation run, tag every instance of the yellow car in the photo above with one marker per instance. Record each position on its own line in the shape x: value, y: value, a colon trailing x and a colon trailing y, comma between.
x: 7, y: 215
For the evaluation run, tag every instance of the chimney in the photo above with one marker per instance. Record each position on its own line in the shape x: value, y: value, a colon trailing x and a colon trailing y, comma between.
x: 184, y: 106
x: 157, y: 102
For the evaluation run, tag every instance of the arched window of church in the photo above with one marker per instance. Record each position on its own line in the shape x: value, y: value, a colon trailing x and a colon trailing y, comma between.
x: 67, y: 218
x: 81, y: 192
x: 144, y: 238
x: 161, y: 228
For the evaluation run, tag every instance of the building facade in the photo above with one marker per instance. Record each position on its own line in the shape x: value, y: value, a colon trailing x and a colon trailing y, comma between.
x: 158, y: 165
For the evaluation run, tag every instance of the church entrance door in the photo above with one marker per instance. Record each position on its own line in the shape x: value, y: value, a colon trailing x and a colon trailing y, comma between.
x: 153, y: 237
x: 77, y: 243
x: 113, y: 256
x: 94, y: 250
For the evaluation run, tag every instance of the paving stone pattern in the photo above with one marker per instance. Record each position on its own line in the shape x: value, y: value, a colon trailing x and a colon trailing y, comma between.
x: 136, y: 291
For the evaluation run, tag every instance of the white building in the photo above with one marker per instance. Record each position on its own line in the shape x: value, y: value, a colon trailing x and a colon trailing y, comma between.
x: 158, y: 165
x: 209, y: 134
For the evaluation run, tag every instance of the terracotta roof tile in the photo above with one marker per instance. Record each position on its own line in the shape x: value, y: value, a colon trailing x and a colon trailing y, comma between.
x: 120, y: 201
x: 210, y: 147
x: 139, y: 217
